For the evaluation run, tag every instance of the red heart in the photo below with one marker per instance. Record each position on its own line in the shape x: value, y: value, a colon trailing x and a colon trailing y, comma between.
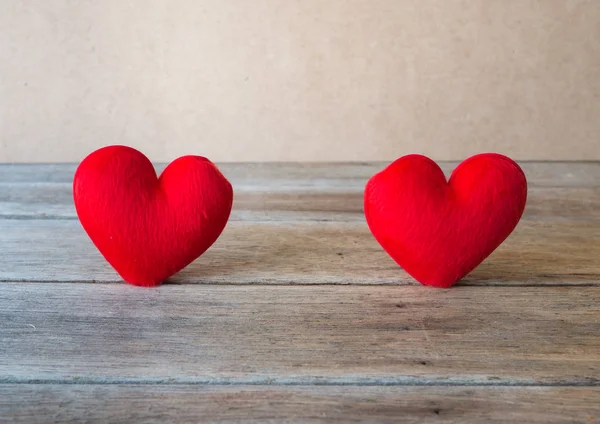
x: 149, y: 228
x: 439, y: 230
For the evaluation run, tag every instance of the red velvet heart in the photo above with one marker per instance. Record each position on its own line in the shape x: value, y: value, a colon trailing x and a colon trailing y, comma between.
x: 439, y: 230
x: 149, y: 228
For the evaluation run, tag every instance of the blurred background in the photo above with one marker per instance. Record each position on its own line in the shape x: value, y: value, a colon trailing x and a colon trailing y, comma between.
x: 300, y: 80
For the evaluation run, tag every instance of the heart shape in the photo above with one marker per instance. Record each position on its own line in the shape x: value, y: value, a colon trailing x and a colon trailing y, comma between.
x: 439, y: 230
x: 149, y: 228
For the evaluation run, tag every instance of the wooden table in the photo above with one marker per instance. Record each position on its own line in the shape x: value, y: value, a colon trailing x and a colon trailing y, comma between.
x: 297, y: 314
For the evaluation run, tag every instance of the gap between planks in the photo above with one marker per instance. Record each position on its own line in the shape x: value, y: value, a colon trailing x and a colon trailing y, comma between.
x: 317, y: 284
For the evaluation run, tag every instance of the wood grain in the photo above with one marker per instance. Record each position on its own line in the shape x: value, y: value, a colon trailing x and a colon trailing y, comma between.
x: 313, y: 175
x: 291, y: 192
x: 176, y: 403
x: 109, y: 333
x: 54, y: 201
x: 545, y: 253
x: 297, y: 314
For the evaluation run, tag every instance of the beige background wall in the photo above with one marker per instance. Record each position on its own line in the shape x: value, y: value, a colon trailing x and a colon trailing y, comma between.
x: 249, y: 80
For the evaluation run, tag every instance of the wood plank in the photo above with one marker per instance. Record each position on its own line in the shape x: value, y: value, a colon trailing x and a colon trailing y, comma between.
x: 541, y: 253
x: 303, y: 192
x: 547, y: 174
x: 55, y: 201
x: 178, y: 404
x: 111, y: 333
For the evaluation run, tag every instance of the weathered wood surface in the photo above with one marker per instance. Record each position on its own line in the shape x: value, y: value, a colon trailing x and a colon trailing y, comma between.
x: 303, y: 224
x: 297, y: 314
x: 99, y: 333
x: 540, y: 253
x: 291, y: 192
x: 188, y: 403
x: 311, y: 175
x: 50, y: 201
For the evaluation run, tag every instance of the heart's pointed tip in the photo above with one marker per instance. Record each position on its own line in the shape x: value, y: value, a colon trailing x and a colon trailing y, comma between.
x: 145, y: 279
x: 144, y: 283
x: 439, y: 284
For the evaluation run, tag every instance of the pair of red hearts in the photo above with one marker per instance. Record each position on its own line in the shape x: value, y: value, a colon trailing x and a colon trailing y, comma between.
x: 149, y: 228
